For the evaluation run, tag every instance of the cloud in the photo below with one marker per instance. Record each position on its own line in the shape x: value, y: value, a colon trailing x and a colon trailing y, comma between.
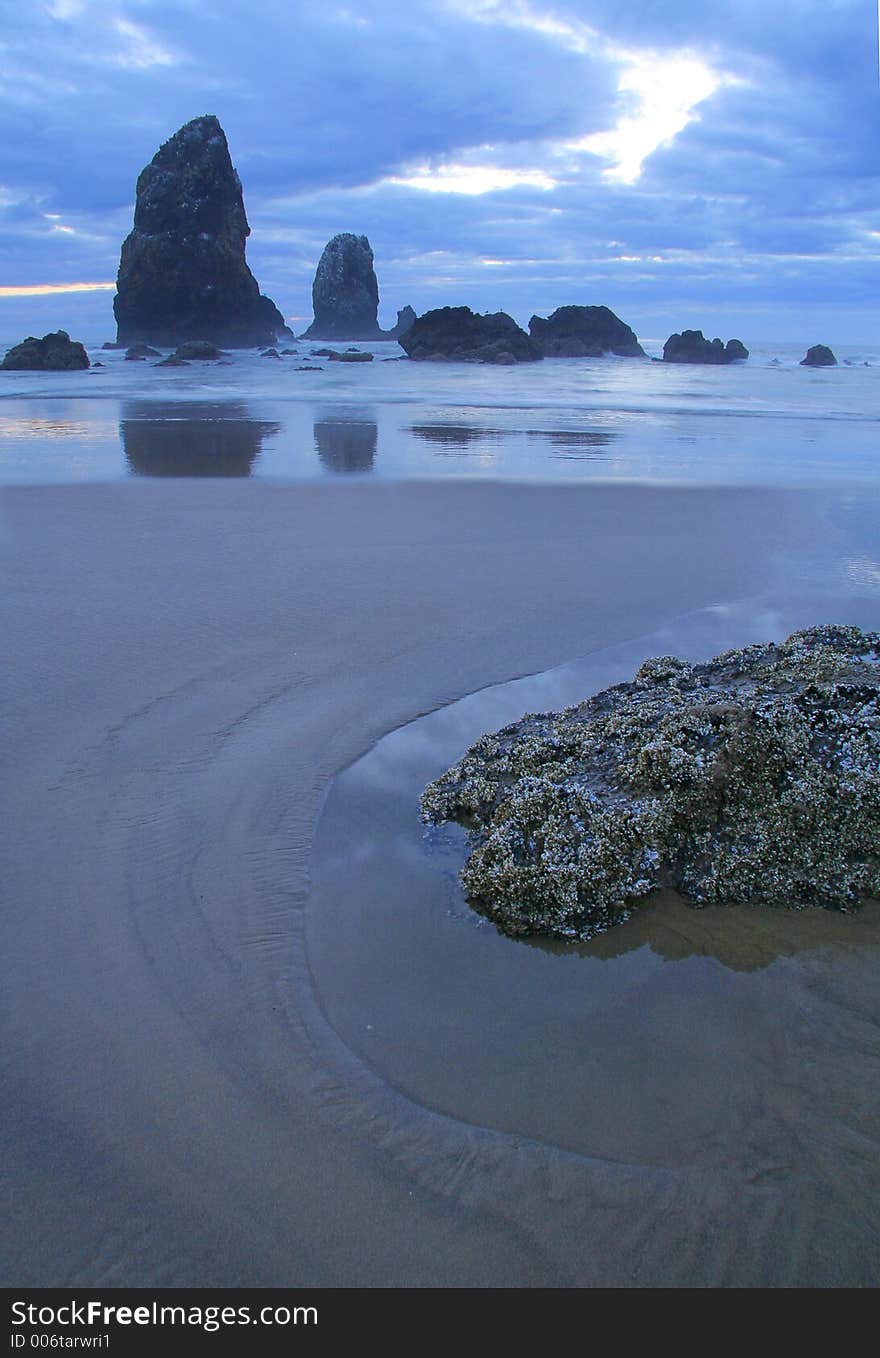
x: 51, y: 289
x: 524, y: 154
x: 474, y: 179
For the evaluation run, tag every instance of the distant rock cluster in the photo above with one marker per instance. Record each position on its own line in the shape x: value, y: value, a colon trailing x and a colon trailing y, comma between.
x: 183, y: 280
x: 691, y: 346
x: 182, y: 273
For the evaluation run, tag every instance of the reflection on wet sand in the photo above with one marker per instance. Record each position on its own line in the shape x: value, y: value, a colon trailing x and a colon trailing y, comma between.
x: 740, y: 937
x: 458, y: 439
x: 202, y: 439
x: 575, y: 443
x: 456, y: 435
x: 346, y: 445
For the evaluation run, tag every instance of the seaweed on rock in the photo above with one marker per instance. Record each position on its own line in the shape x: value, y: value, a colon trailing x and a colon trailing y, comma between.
x: 754, y: 777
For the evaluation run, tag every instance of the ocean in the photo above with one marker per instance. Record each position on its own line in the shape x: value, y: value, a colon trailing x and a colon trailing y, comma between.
x: 765, y: 422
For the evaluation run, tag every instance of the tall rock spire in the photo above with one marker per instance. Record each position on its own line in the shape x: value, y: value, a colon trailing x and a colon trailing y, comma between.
x: 182, y: 273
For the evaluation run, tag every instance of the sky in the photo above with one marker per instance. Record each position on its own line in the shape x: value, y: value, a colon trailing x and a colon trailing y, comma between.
x: 689, y: 163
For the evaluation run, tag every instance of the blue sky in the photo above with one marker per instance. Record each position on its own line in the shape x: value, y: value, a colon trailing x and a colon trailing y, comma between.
x: 686, y: 163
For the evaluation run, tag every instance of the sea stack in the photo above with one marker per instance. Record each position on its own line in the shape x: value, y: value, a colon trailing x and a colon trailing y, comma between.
x: 345, y: 293
x: 406, y: 319
x: 584, y: 332
x: 182, y: 274
x: 455, y: 334
x: 691, y: 346
x: 819, y: 356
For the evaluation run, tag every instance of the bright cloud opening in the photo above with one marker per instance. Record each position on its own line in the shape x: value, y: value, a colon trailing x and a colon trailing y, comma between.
x: 668, y: 90
x: 663, y: 90
x: 470, y: 179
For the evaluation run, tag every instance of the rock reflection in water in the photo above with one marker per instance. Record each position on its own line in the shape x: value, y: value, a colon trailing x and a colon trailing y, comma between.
x: 346, y: 445
x: 201, y: 439
x: 471, y: 439
x: 455, y: 436
x: 740, y: 937
x: 575, y: 443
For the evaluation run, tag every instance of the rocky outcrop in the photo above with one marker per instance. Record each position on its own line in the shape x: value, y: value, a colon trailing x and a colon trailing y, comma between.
x: 752, y: 778
x: 182, y: 273
x: 691, y: 346
x: 345, y: 293
x: 819, y: 356
x: 405, y: 318
x: 56, y: 352
x: 203, y: 349
x: 457, y: 334
x: 584, y: 332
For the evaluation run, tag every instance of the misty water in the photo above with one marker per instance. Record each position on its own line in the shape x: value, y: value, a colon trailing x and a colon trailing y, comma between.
x: 300, y: 417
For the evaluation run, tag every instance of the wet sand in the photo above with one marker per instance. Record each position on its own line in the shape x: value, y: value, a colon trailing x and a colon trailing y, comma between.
x: 187, y: 666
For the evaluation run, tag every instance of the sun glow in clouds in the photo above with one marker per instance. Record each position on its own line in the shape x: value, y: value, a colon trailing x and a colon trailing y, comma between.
x: 49, y: 289
x: 667, y: 90
x: 661, y: 90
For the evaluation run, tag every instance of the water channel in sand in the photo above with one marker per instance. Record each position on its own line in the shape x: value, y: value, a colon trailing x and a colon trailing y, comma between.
x: 683, y: 1037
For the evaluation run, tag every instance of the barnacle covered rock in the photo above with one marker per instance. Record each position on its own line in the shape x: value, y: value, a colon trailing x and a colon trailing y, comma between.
x: 752, y: 778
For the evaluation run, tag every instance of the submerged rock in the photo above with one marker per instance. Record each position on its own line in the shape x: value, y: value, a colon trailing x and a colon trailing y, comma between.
x: 584, y: 332
x: 182, y: 273
x: 691, y: 346
x: 55, y: 352
x: 345, y: 293
x: 819, y: 356
x: 457, y: 334
x: 752, y: 778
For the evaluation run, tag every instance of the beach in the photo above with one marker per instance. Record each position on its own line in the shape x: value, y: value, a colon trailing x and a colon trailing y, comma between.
x: 192, y: 664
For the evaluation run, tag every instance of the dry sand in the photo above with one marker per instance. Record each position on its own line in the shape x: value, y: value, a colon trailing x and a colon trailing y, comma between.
x: 187, y: 665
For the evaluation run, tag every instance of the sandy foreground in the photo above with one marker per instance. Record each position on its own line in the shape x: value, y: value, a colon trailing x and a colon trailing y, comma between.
x: 187, y: 664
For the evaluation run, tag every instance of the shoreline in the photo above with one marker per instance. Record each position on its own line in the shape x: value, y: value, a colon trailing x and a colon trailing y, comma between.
x: 193, y: 662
